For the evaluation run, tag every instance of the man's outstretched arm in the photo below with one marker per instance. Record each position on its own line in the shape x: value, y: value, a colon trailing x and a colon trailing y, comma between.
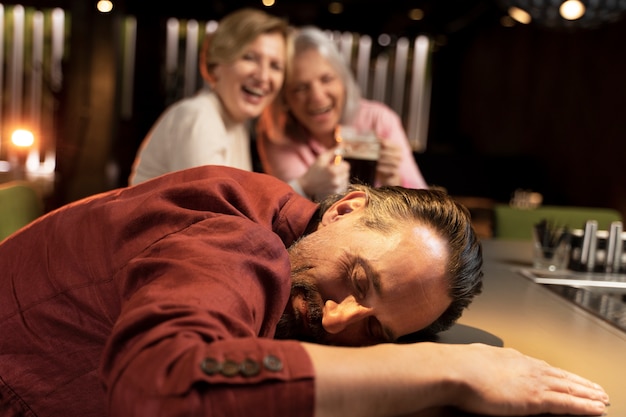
x: 399, y: 380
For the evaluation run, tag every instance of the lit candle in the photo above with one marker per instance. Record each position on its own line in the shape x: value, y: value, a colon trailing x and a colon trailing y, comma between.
x: 128, y: 70
x: 346, y: 41
x: 399, y: 78
x: 36, y: 84
x: 17, y: 66
x: 191, y: 58
x: 380, y: 78
x: 211, y: 26
x: 171, y: 54
x: 1, y: 70
x: 363, y: 63
x: 56, y: 80
x: 58, y: 39
x: 420, y: 94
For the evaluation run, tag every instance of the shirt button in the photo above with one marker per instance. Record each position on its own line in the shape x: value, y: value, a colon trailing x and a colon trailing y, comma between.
x: 230, y: 368
x: 210, y: 366
x: 250, y: 367
x: 272, y: 363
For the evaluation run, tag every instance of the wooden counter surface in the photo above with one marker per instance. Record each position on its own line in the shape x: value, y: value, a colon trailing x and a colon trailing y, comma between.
x: 540, y: 323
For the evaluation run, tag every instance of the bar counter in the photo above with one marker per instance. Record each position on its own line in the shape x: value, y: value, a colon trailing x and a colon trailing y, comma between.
x: 538, y: 322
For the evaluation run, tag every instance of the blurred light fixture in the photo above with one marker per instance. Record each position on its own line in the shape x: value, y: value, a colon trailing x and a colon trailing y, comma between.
x: 268, y: 3
x: 572, y: 9
x: 519, y: 15
x: 416, y: 14
x: 22, y: 138
x: 104, y: 6
x: 22, y: 141
x: 211, y: 26
x: 568, y: 13
x: 384, y: 39
x: 335, y: 7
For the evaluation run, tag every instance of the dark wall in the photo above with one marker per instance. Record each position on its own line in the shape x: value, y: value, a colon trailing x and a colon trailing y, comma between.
x: 522, y: 107
x: 531, y: 107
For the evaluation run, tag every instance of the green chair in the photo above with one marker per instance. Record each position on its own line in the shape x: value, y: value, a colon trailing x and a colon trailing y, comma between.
x: 20, y: 204
x: 515, y: 223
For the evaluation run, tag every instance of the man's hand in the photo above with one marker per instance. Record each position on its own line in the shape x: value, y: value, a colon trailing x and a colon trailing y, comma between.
x: 502, y: 381
x: 407, y: 380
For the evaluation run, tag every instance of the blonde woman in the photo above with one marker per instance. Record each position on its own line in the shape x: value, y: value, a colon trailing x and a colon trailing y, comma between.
x: 243, y: 64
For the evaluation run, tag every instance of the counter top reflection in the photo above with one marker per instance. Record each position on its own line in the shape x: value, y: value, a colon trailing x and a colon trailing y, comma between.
x: 538, y: 322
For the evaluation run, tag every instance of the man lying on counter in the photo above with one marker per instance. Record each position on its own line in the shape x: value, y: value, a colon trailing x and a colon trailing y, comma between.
x: 214, y: 291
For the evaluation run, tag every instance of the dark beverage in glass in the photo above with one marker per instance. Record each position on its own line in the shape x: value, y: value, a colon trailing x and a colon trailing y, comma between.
x: 362, y: 170
x: 361, y: 150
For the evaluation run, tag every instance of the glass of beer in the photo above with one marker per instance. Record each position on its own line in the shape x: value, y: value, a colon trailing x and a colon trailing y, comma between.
x: 361, y: 150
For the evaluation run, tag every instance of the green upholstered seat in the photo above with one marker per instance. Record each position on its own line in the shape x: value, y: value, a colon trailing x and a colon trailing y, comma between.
x: 20, y: 204
x: 515, y: 223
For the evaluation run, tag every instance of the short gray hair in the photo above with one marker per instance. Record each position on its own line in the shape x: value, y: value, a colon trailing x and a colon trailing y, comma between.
x: 311, y: 37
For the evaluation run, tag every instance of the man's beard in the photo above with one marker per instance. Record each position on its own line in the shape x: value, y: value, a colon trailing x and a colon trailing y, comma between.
x: 290, y: 325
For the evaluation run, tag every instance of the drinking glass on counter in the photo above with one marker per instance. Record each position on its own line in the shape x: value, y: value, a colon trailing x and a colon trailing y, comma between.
x: 551, y: 246
x: 361, y: 149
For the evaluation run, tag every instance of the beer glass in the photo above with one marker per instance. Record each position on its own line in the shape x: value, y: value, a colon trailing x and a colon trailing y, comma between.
x: 361, y: 150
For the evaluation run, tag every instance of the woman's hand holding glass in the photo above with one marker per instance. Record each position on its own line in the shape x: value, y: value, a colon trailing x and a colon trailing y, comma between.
x: 328, y: 175
x: 388, y: 167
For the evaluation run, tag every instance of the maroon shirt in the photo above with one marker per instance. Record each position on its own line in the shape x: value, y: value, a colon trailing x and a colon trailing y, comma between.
x: 156, y: 300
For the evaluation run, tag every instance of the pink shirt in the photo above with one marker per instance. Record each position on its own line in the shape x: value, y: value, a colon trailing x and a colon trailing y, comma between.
x: 156, y: 300
x: 291, y: 161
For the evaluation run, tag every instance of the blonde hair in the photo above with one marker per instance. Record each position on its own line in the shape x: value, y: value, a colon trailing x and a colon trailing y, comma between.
x: 234, y: 33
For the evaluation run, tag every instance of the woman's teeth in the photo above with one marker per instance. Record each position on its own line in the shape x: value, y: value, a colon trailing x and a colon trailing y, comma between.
x: 254, y: 91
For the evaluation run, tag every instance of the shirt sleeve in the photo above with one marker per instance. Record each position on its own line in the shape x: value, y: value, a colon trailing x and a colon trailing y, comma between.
x: 198, y: 337
x: 207, y: 281
x: 195, y: 134
x: 188, y: 134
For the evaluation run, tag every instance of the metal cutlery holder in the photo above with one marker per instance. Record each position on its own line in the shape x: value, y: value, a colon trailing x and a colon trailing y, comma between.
x: 594, y: 250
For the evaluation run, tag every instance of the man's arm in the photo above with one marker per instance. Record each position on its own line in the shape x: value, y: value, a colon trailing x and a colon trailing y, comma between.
x: 399, y: 380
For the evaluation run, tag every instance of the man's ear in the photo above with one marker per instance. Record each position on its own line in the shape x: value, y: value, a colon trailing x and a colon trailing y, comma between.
x: 352, y: 202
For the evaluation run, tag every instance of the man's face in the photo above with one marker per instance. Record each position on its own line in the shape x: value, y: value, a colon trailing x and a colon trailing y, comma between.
x: 355, y: 286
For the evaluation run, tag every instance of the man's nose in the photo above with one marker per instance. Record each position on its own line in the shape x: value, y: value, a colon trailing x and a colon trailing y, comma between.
x: 337, y: 316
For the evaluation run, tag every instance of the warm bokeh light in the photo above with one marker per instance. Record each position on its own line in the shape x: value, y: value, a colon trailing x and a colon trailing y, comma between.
x: 384, y: 39
x: 335, y: 7
x: 104, y: 6
x: 22, y: 138
x: 507, y: 21
x: 572, y: 9
x: 416, y: 14
x: 268, y: 3
x: 211, y: 26
x: 520, y: 15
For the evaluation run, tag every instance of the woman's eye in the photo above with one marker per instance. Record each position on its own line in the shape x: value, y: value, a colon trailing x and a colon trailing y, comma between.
x: 298, y: 89
x: 248, y: 56
x: 328, y: 78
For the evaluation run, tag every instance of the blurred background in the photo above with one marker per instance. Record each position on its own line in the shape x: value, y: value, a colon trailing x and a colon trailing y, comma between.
x: 494, y: 102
